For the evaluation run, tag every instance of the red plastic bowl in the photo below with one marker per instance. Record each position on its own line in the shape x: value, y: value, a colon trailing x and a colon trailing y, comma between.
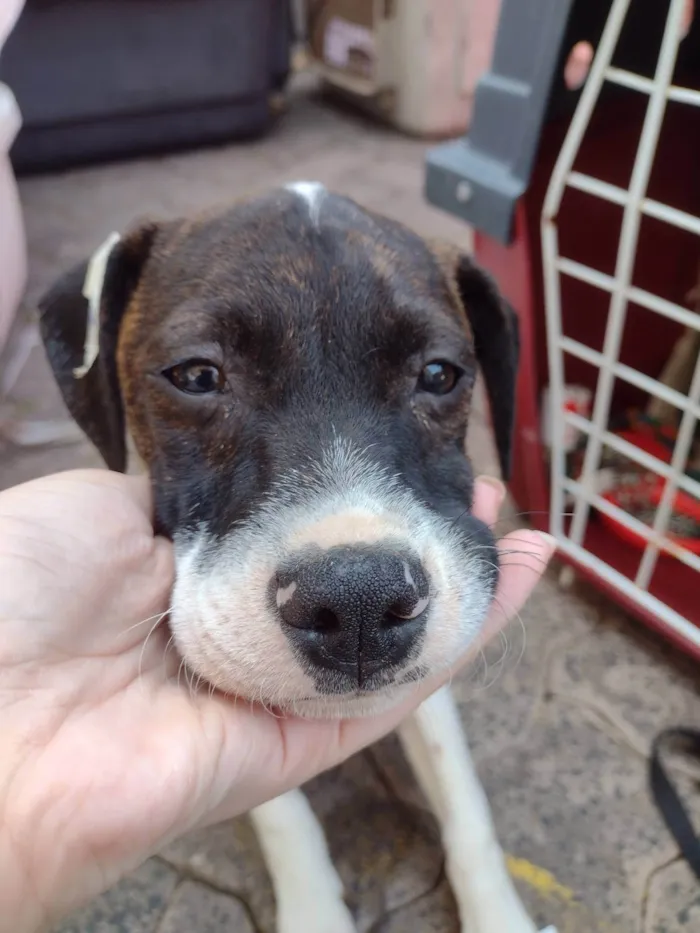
x: 683, y: 504
x: 648, y: 443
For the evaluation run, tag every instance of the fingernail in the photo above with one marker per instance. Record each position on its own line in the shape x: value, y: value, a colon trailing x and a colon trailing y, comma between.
x: 550, y: 541
x: 495, y: 484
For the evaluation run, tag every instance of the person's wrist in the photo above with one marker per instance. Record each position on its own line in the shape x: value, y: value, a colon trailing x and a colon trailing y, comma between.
x: 39, y: 867
x: 22, y: 882
x: 41, y: 874
x: 21, y: 909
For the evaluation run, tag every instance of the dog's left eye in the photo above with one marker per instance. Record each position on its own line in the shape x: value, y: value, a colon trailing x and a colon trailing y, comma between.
x: 196, y: 377
x: 438, y: 377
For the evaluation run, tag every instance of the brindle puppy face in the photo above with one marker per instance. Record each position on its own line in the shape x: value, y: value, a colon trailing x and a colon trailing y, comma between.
x: 296, y: 374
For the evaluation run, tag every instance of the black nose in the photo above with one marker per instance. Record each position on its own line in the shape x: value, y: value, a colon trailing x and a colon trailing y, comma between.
x: 359, y: 611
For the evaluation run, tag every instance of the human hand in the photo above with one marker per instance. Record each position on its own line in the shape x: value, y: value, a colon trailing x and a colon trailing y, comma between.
x: 105, y: 754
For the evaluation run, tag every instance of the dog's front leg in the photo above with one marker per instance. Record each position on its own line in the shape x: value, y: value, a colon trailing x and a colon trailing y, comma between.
x: 435, y: 745
x: 308, y: 889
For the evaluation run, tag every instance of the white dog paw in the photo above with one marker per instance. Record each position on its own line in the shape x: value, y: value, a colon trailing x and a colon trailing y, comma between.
x: 330, y: 916
x: 497, y: 923
x: 499, y: 918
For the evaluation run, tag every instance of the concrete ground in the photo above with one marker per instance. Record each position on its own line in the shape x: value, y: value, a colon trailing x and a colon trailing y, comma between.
x: 560, y: 714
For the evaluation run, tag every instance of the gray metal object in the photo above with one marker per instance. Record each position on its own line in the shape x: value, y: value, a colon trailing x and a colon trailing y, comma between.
x: 108, y: 78
x: 481, y: 176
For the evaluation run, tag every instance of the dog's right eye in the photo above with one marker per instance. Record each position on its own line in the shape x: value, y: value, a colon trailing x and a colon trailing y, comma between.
x: 438, y: 378
x: 196, y: 377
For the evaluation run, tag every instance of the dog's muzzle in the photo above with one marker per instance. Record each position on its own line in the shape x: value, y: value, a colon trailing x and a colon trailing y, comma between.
x: 359, y: 611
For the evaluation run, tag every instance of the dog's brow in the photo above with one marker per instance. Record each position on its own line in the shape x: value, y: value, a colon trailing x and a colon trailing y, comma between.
x: 201, y: 314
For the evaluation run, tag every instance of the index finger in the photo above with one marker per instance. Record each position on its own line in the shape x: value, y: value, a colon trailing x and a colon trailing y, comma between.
x: 519, y: 576
x: 138, y: 488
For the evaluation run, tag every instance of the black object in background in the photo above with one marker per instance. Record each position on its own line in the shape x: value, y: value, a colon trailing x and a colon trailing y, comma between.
x: 105, y: 79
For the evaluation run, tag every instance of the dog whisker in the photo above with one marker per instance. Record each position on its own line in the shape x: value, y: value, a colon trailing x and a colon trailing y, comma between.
x: 158, y: 620
x: 179, y: 672
x: 513, y: 616
x: 516, y: 540
x: 533, y: 555
x: 514, y: 516
x: 193, y: 682
x: 157, y: 615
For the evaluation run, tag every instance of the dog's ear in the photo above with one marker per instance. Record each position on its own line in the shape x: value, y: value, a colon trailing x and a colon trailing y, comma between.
x: 494, y: 325
x: 80, y: 318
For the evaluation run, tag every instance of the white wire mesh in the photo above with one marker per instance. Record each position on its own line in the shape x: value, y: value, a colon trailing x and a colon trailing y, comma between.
x: 635, y: 205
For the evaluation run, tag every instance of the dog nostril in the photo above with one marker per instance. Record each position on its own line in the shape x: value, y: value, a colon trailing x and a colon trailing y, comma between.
x: 325, y: 620
x: 406, y: 609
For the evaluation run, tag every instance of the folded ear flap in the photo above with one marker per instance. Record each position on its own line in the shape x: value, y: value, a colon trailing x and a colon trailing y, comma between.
x: 494, y: 325
x: 81, y: 333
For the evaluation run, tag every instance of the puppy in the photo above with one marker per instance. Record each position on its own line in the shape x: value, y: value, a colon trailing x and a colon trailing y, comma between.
x: 296, y: 374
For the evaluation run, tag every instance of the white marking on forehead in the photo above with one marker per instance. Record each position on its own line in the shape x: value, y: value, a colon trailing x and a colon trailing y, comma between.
x: 313, y: 193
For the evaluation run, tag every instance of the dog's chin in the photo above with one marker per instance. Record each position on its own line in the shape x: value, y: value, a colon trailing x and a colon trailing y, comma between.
x: 347, y: 706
